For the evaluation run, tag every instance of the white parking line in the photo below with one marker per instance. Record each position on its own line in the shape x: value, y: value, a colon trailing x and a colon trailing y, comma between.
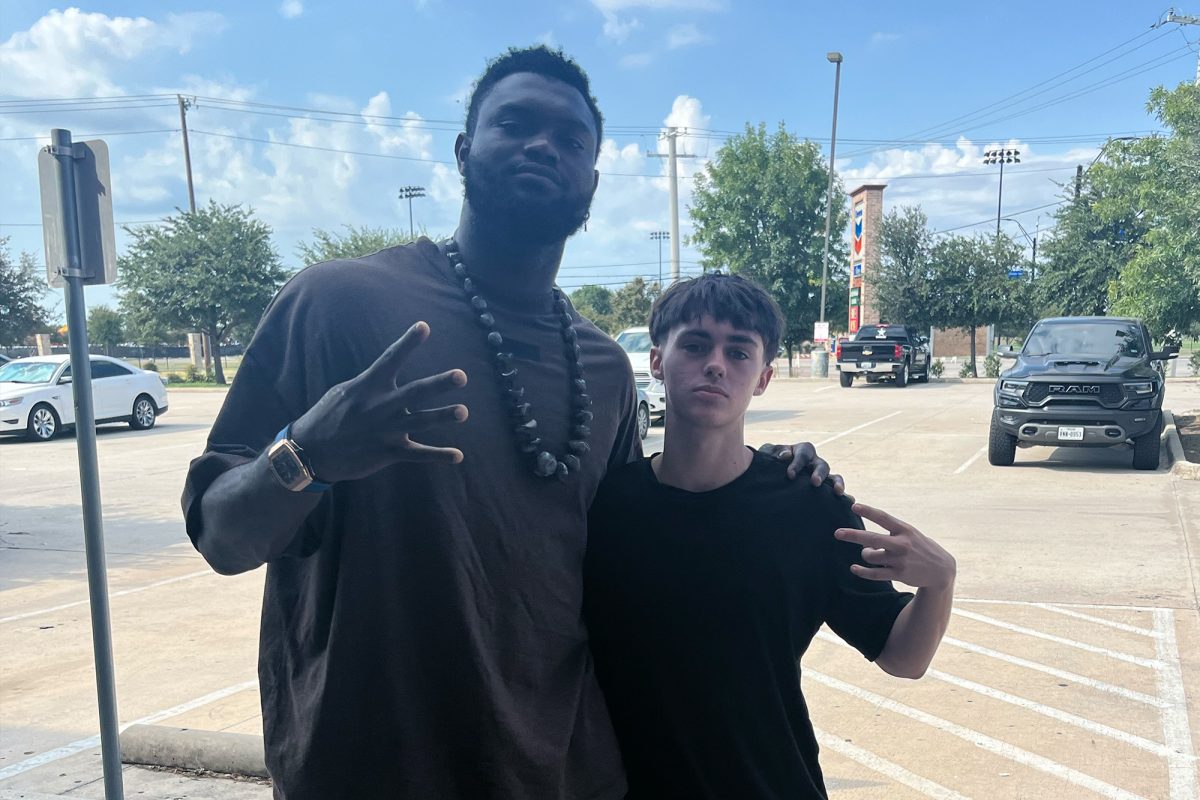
x: 884, y: 767
x: 983, y: 741
x: 857, y: 428
x: 1141, y: 662
x: 80, y: 745
x: 1108, y: 623
x: 1181, y: 762
x: 970, y: 461
x: 826, y: 388
x: 1140, y: 742
x: 121, y: 593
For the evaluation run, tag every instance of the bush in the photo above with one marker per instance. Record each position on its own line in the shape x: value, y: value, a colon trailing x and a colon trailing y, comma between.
x: 193, y: 375
x: 967, y: 370
x: 936, y: 368
x: 151, y: 367
x: 1194, y: 363
x: 991, y: 366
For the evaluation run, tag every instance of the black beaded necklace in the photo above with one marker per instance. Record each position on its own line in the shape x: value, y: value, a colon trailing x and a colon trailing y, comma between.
x: 544, y: 463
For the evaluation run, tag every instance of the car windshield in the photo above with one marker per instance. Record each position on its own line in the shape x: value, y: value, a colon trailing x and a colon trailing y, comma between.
x: 1100, y: 340
x: 634, y: 341
x: 27, y: 372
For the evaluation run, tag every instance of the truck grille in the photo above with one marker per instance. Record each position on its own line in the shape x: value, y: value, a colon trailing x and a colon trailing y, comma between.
x: 1108, y: 394
x: 641, y: 379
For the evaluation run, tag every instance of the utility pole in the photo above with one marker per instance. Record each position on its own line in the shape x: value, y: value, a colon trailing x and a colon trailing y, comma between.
x: 1001, y: 157
x: 673, y: 171
x: 408, y: 193
x: 836, y: 59
x: 1181, y: 19
x: 659, y: 236
x: 184, y: 105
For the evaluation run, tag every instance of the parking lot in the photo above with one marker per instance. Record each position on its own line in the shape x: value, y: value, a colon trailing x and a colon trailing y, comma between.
x: 1071, y: 668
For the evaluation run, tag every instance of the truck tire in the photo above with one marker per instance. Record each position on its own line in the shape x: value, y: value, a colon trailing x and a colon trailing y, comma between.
x: 924, y: 376
x: 1145, y: 449
x: 902, y: 375
x: 1002, y: 446
x: 846, y: 379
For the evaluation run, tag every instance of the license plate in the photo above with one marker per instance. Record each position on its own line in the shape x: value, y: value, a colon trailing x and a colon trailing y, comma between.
x: 1070, y: 434
x: 866, y: 364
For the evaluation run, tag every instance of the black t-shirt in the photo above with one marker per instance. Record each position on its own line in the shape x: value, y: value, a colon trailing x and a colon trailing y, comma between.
x: 422, y: 634
x: 699, y: 606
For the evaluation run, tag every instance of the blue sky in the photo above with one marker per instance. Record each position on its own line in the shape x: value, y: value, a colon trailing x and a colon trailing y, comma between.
x: 925, y: 89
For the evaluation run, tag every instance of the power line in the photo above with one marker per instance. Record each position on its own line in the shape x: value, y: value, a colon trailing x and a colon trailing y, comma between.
x: 87, y: 135
x: 991, y: 219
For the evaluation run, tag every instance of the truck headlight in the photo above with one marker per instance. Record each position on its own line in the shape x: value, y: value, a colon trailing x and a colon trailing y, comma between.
x: 11, y: 401
x: 1014, y: 388
x: 1140, y: 388
x: 655, y: 386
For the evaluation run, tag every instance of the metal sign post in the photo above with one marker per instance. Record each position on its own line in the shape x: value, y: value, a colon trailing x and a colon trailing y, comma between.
x: 76, y: 222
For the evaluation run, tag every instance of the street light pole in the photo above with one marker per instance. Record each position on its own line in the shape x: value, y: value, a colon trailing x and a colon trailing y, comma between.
x: 1002, y: 156
x: 821, y: 355
x: 660, y: 236
x: 408, y: 193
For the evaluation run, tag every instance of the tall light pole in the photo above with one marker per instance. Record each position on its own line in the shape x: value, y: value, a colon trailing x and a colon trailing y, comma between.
x: 821, y: 367
x: 1002, y: 156
x: 660, y: 236
x: 408, y: 193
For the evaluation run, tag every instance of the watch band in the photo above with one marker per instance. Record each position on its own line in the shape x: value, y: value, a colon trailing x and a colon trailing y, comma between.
x: 313, y: 485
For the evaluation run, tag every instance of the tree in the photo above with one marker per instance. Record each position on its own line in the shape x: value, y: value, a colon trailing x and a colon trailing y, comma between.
x: 903, y: 278
x: 354, y: 243
x: 105, y: 327
x: 595, y: 303
x: 759, y: 210
x: 21, y: 290
x: 972, y: 283
x: 206, y: 271
x: 631, y: 304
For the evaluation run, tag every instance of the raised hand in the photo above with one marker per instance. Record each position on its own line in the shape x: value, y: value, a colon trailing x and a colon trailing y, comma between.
x: 903, y: 554
x: 800, y: 456
x: 365, y: 424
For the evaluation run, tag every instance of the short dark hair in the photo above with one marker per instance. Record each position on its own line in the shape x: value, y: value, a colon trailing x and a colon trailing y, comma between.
x: 725, y: 298
x: 540, y: 60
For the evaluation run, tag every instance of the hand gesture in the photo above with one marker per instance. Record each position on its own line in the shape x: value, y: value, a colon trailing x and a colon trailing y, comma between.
x: 903, y: 554
x: 801, y: 456
x: 365, y: 424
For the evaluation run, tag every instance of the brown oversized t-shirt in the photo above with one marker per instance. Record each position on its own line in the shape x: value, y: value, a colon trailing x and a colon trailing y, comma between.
x: 422, y: 635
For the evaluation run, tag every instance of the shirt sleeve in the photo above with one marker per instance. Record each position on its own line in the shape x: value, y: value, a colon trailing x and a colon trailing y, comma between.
x: 858, y: 610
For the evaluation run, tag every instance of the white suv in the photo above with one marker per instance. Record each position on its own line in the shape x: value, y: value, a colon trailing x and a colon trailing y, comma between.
x: 636, y: 344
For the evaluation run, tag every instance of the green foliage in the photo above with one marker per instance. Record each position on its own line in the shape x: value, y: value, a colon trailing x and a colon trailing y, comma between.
x: 903, y: 280
x: 967, y: 370
x: 631, y: 304
x: 21, y: 289
x: 991, y: 366
x: 595, y: 303
x: 354, y: 243
x: 1194, y: 362
x: 150, y: 366
x: 759, y: 211
x: 937, y: 367
x: 207, y: 271
x: 105, y: 327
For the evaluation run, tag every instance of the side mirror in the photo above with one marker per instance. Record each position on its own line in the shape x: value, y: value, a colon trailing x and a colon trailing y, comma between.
x: 65, y: 379
x: 1165, y: 355
x: 1008, y: 354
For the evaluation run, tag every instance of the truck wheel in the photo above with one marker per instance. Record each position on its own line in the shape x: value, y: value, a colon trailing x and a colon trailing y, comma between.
x: 846, y: 378
x: 924, y: 376
x: 1002, y: 447
x: 1145, y: 449
x: 902, y: 375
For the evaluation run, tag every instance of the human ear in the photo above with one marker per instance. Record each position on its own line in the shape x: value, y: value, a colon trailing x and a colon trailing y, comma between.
x: 462, y: 146
x: 763, y: 380
x: 656, y: 363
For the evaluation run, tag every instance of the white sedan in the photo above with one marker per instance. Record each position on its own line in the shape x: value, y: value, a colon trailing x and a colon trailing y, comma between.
x: 36, y: 398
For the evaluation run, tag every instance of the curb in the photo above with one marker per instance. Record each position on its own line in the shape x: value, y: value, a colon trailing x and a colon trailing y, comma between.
x: 183, y: 748
x: 1180, y: 466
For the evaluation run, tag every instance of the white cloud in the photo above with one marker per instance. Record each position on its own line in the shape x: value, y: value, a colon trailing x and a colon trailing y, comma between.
x: 290, y: 9
x: 883, y: 37
x: 636, y: 60
x: 548, y: 39
x: 684, y: 36
x: 400, y: 137
x: 613, y: 6
x: 74, y: 53
x: 619, y: 29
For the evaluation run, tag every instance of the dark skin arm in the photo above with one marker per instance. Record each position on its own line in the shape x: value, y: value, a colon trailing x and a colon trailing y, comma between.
x: 803, y: 456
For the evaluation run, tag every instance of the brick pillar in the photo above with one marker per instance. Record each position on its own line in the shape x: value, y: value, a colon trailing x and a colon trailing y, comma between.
x: 866, y: 216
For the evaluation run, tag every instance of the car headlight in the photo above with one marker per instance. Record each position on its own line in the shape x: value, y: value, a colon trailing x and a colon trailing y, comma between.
x: 1014, y: 388
x: 655, y: 386
x: 1140, y: 388
x: 11, y: 401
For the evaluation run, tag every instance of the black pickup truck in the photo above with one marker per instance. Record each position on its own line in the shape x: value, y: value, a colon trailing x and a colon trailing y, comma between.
x: 1081, y: 382
x: 894, y: 352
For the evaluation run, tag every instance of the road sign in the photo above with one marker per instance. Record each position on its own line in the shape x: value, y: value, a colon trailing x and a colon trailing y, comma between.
x: 821, y: 332
x: 1016, y: 273
x: 93, y: 212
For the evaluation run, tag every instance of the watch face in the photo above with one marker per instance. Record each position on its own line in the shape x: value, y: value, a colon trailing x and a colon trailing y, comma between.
x: 288, y: 468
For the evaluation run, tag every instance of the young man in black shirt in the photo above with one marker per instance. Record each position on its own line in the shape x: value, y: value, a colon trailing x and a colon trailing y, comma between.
x: 707, y: 575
